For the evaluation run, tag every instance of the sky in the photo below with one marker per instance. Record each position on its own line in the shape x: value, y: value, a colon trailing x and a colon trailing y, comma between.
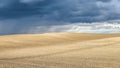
x: 41, y: 16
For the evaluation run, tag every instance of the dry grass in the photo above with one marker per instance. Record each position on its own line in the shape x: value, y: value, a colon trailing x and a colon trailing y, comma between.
x: 60, y: 50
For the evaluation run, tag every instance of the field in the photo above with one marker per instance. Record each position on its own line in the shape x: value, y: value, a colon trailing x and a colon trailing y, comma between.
x: 60, y: 50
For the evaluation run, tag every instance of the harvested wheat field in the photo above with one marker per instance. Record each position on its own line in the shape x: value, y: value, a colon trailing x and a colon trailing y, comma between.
x: 60, y: 50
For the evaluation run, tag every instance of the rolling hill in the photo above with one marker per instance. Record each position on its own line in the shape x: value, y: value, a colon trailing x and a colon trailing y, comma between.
x: 60, y: 50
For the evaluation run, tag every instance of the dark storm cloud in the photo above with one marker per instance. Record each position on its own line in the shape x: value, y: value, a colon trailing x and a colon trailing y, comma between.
x: 23, y: 15
x: 67, y: 10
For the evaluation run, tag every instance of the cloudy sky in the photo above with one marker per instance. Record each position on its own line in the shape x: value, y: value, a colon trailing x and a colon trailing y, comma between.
x: 38, y: 16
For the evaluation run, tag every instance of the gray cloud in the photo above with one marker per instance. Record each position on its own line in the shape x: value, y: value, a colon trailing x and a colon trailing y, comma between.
x: 25, y: 15
x: 96, y: 27
x: 67, y: 10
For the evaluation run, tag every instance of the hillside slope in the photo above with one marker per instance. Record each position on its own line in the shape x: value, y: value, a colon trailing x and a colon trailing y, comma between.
x: 60, y: 50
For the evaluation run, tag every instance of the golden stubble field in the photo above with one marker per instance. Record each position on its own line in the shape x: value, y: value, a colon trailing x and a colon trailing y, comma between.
x: 60, y: 50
